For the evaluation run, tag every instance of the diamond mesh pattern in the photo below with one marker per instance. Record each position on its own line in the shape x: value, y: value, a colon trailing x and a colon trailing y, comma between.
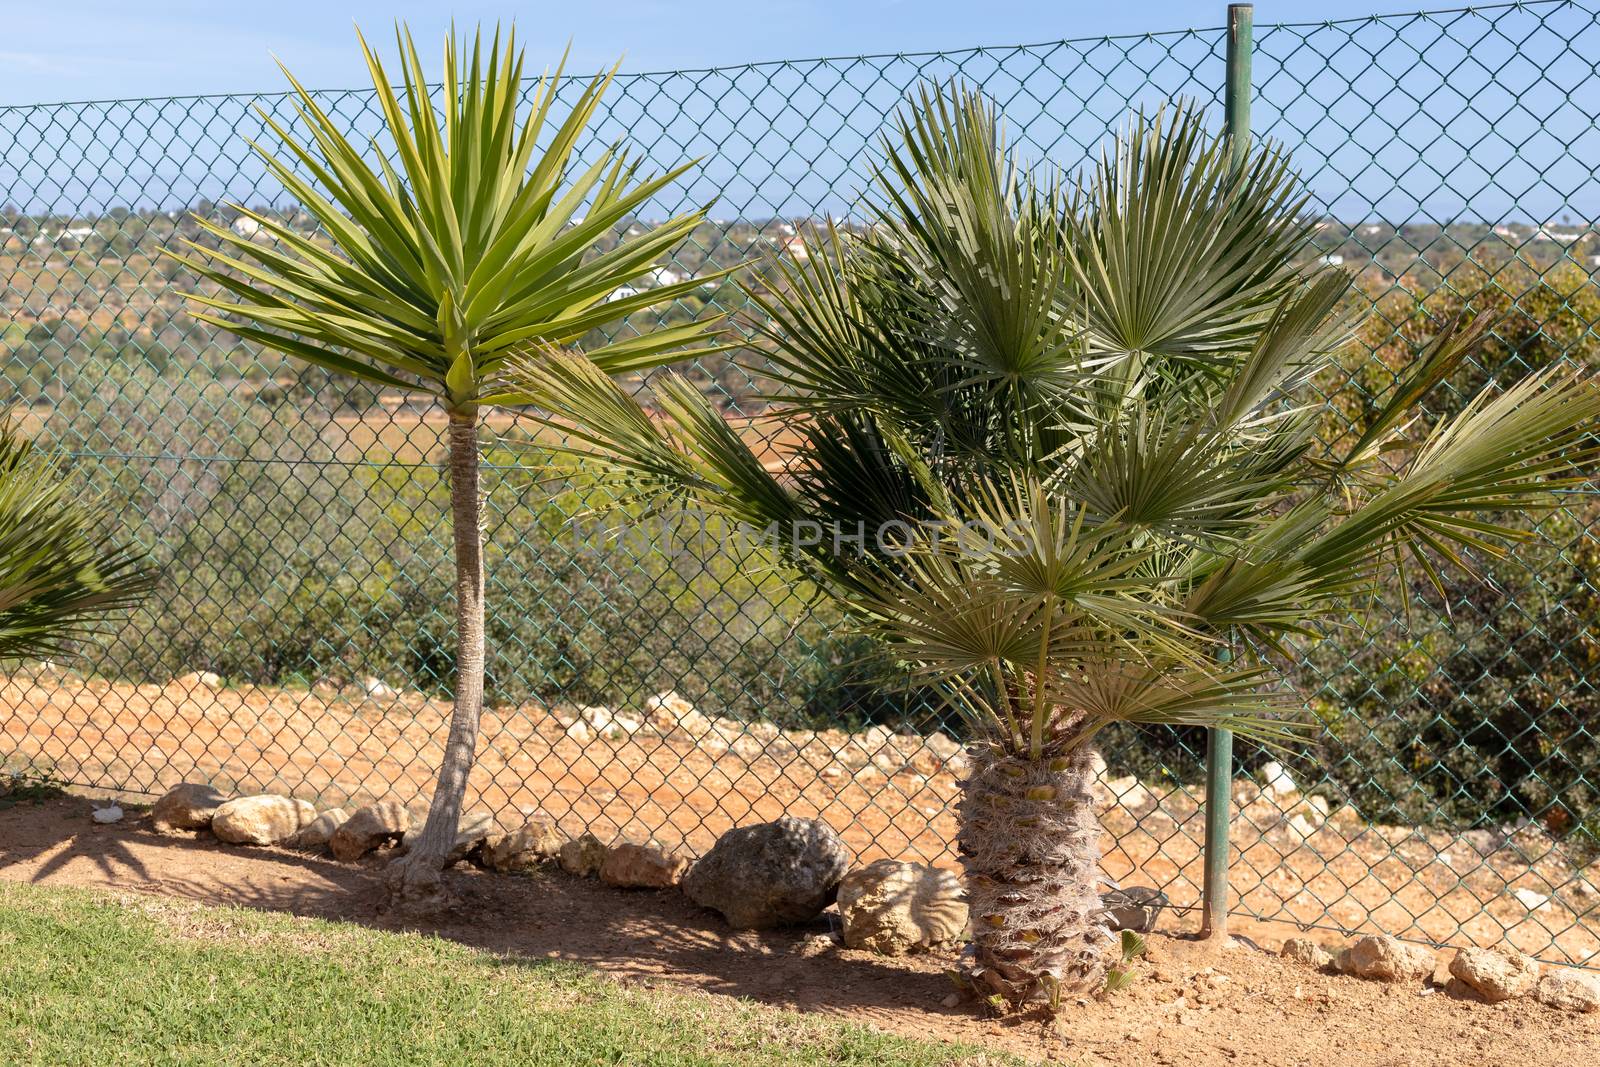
x: 301, y: 521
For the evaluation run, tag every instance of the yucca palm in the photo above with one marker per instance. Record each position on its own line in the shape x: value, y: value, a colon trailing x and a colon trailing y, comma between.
x: 1105, y: 383
x: 429, y: 274
x: 61, y: 572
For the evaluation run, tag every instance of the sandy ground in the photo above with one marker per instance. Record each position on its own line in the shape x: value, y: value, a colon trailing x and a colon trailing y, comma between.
x: 1295, y: 868
x: 1192, y: 1004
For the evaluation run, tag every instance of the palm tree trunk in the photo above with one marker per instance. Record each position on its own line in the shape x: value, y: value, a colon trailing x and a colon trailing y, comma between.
x: 1030, y: 843
x: 414, y: 882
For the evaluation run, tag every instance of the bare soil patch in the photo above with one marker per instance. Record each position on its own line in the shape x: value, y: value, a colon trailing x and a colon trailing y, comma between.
x: 886, y: 795
x: 1192, y: 1004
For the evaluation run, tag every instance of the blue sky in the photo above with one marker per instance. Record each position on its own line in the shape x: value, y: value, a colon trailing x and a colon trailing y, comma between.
x: 1486, y: 114
x: 72, y: 50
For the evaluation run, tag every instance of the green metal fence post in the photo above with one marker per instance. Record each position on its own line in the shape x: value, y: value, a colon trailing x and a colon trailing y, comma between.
x: 1219, y: 743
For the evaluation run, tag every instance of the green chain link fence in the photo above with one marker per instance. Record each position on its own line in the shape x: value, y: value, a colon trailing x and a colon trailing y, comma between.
x: 673, y: 686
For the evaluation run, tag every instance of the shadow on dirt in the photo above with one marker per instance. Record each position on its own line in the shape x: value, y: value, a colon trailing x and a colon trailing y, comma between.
x: 635, y: 934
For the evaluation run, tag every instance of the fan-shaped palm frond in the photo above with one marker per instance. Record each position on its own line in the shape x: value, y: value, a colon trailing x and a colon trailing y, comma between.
x: 61, y: 575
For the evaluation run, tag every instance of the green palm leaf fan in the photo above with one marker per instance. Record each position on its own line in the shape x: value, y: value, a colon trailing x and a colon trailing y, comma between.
x: 475, y: 245
x: 61, y: 573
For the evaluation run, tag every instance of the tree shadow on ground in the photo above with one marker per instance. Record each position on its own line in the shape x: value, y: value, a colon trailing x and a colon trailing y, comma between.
x: 639, y: 935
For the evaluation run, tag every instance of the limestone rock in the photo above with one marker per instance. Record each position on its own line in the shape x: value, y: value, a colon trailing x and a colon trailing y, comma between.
x: 601, y: 721
x: 525, y: 848
x: 892, y: 907
x: 473, y: 830
x: 630, y: 866
x: 1569, y: 990
x: 1126, y: 793
x: 582, y: 855
x: 377, y: 688
x: 668, y: 711
x: 771, y: 874
x: 1386, y: 959
x: 1136, y: 908
x: 189, y: 806
x: 1304, y: 950
x: 1276, y: 781
x: 260, y: 820
x: 316, y: 833
x: 1531, y: 899
x: 368, y: 828
x: 200, y: 680
x: 1495, y: 974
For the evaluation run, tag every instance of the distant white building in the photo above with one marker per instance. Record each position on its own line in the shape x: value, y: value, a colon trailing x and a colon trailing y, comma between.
x: 245, y: 227
x: 664, y: 276
x: 621, y: 293
x: 1333, y: 260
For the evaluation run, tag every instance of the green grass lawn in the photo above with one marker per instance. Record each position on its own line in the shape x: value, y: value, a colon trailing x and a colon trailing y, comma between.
x: 95, y: 980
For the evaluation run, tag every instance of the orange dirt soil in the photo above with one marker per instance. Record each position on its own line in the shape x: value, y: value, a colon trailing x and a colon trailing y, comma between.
x: 885, y: 794
x: 1191, y: 1003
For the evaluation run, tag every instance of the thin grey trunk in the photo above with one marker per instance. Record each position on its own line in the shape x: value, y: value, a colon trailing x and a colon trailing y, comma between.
x: 438, y: 835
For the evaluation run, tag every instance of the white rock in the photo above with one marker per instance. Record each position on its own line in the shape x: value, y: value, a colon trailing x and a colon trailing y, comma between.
x: 1307, y: 951
x: 264, y: 819
x: 1301, y: 827
x: 893, y: 907
x: 199, y: 679
x: 1385, y: 959
x: 376, y: 688
x: 579, y: 731
x: 1126, y: 793
x: 668, y: 711
x: 108, y: 814
x: 1569, y: 990
x: 1495, y: 974
x: 189, y: 806
x: 1531, y: 900
x: 1277, y: 781
x: 317, y: 833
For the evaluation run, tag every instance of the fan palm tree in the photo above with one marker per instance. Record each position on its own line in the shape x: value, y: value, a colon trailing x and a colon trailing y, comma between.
x: 61, y: 575
x: 429, y: 277
x: 1063, y: 436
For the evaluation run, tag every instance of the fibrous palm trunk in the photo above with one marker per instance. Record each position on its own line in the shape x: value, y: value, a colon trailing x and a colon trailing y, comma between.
x: 1030, y: 843
x: 414, y: 882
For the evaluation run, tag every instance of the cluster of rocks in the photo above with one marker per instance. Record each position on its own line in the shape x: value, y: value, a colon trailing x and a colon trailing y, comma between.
x: 788, y: 872
x: 838, y: 753
x: 268, y: 819
x: 781, y: 873
x: 1489, y: 975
